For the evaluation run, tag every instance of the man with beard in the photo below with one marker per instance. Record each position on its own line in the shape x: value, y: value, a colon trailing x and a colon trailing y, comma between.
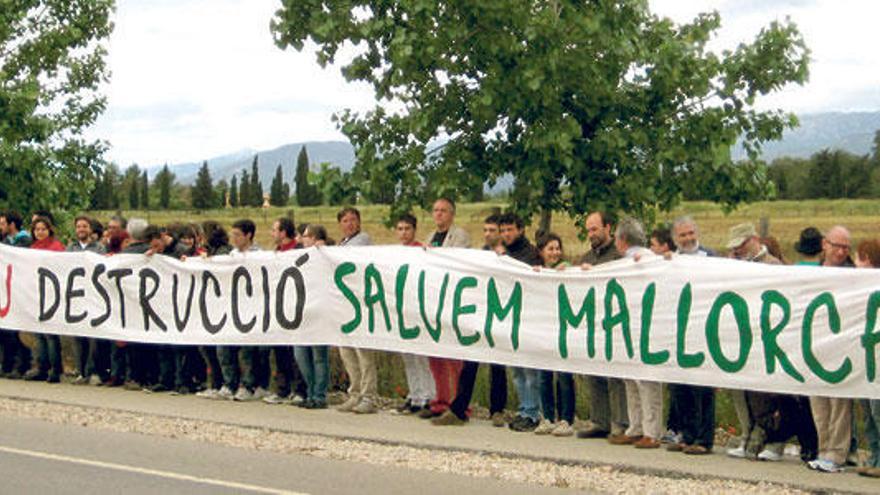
x: 92, y: 355
x: 607, y: 395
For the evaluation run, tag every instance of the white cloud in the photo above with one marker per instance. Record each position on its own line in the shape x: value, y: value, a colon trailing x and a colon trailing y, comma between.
x: 197, y: 78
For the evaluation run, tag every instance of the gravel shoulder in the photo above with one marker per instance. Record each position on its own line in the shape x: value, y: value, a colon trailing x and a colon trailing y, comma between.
x: 384, y: 439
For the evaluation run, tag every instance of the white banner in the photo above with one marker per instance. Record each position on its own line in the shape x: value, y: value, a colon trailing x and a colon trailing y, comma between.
x: 706, y: 321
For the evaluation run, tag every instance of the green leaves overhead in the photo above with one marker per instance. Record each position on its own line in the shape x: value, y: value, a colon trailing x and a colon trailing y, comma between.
x: 51, y: 65
x: 592, y: 104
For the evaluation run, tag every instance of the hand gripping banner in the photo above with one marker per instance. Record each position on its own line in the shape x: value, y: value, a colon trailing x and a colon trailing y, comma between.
x: 707, y: 321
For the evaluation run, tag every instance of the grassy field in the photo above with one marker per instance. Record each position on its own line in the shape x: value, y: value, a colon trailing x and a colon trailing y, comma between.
x: 785, y: 220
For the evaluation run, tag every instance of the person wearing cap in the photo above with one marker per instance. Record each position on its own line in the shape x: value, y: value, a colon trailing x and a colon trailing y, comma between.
x: 744, y: 244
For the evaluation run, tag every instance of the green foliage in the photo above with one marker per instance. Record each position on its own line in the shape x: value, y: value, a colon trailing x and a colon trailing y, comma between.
x: 233, y: 192
x: 279, y: 192
x: 335, y: 186
x: 827, y: 174
x: 255, y: 189
x: 145, y: 191
x: 51, y: 66
x: 164, y: 181
x: 203, y: 196
x: 220, y: 192
x: 244, y: 189
x: 307, y: 193
x: 131, y: 182
x: 105, y: 195
x: 592, y: 104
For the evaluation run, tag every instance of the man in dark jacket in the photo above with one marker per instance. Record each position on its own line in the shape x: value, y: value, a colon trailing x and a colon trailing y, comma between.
x: 92, y: 355
x: 525, y: 380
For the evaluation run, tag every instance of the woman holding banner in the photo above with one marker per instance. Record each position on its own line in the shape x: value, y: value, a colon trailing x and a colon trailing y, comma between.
x: 47, y: 363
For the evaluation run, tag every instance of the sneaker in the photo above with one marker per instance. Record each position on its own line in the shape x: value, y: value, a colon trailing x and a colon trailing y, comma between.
x: 769, y: 455
x: 671, y: 437
x: 563, y: 429
x: 208, y: 393
x: 95, y: 381
x: 243, y: 394
x: 405, y: 408
x: 739, y: 452
x: 157, y: 387
x: 825, y: 466
x: 274, y: 399
x: 296, y: 400
x: 53, y: 378
x: 545, y: 427
x: 349, y: 405
x: 261, y: 393
x: 647, y: 443
x: 448, y: 418
x: 225, y: 393
x: 79, y: 380
x: 498, y: 420
x: 523, y: 424
x: 366, y: 406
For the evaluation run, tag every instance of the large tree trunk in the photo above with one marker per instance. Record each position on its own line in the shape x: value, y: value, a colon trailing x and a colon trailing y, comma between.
x: 546, y: 221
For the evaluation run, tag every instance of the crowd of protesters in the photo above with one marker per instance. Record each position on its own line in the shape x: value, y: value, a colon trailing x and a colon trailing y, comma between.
x: 625, y: 412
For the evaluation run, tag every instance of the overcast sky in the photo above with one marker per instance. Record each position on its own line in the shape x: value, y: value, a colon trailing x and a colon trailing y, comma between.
x: 193, y: 79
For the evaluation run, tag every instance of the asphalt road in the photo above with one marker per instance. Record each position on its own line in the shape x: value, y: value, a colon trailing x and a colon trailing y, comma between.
x: 45, y: 458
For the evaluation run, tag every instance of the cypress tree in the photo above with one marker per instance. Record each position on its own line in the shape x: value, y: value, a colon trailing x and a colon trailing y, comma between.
x: 278, y: 192
x: 233, y: 191
x: 145, y: 191
x: 203, y: 189
x: 256, y: 184
x: 244, y: 189
x: 164, y: 180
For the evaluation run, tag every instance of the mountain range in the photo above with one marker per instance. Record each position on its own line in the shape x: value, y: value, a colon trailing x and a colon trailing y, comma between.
x: 849, y: 131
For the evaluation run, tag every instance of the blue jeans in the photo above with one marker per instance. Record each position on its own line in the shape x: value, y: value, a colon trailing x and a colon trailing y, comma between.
x: 559, y: 401
x: 529, y: 391
x: 314, y: 363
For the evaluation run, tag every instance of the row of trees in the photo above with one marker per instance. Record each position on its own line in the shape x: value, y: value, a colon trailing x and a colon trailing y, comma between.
x: 132, y: 189
x: 828, y: 174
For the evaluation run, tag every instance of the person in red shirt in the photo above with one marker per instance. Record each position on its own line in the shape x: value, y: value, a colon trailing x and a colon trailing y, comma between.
x: 47, y: 362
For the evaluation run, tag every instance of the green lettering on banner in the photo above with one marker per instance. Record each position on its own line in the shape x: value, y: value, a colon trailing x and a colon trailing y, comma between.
x: 342, y: 271
x: 614, y: 291
x: 772, y: 352
x: 567, y: 318
x: 684, y: 359
x: 374, y: 292
x: 827, y: 300
x: 434, y: 332
x: 871, y: 338
x: 645, y: 353
x: 495, y: 310
x: 713, y: 339
x: 458, y: 310
x: 406, y: 333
